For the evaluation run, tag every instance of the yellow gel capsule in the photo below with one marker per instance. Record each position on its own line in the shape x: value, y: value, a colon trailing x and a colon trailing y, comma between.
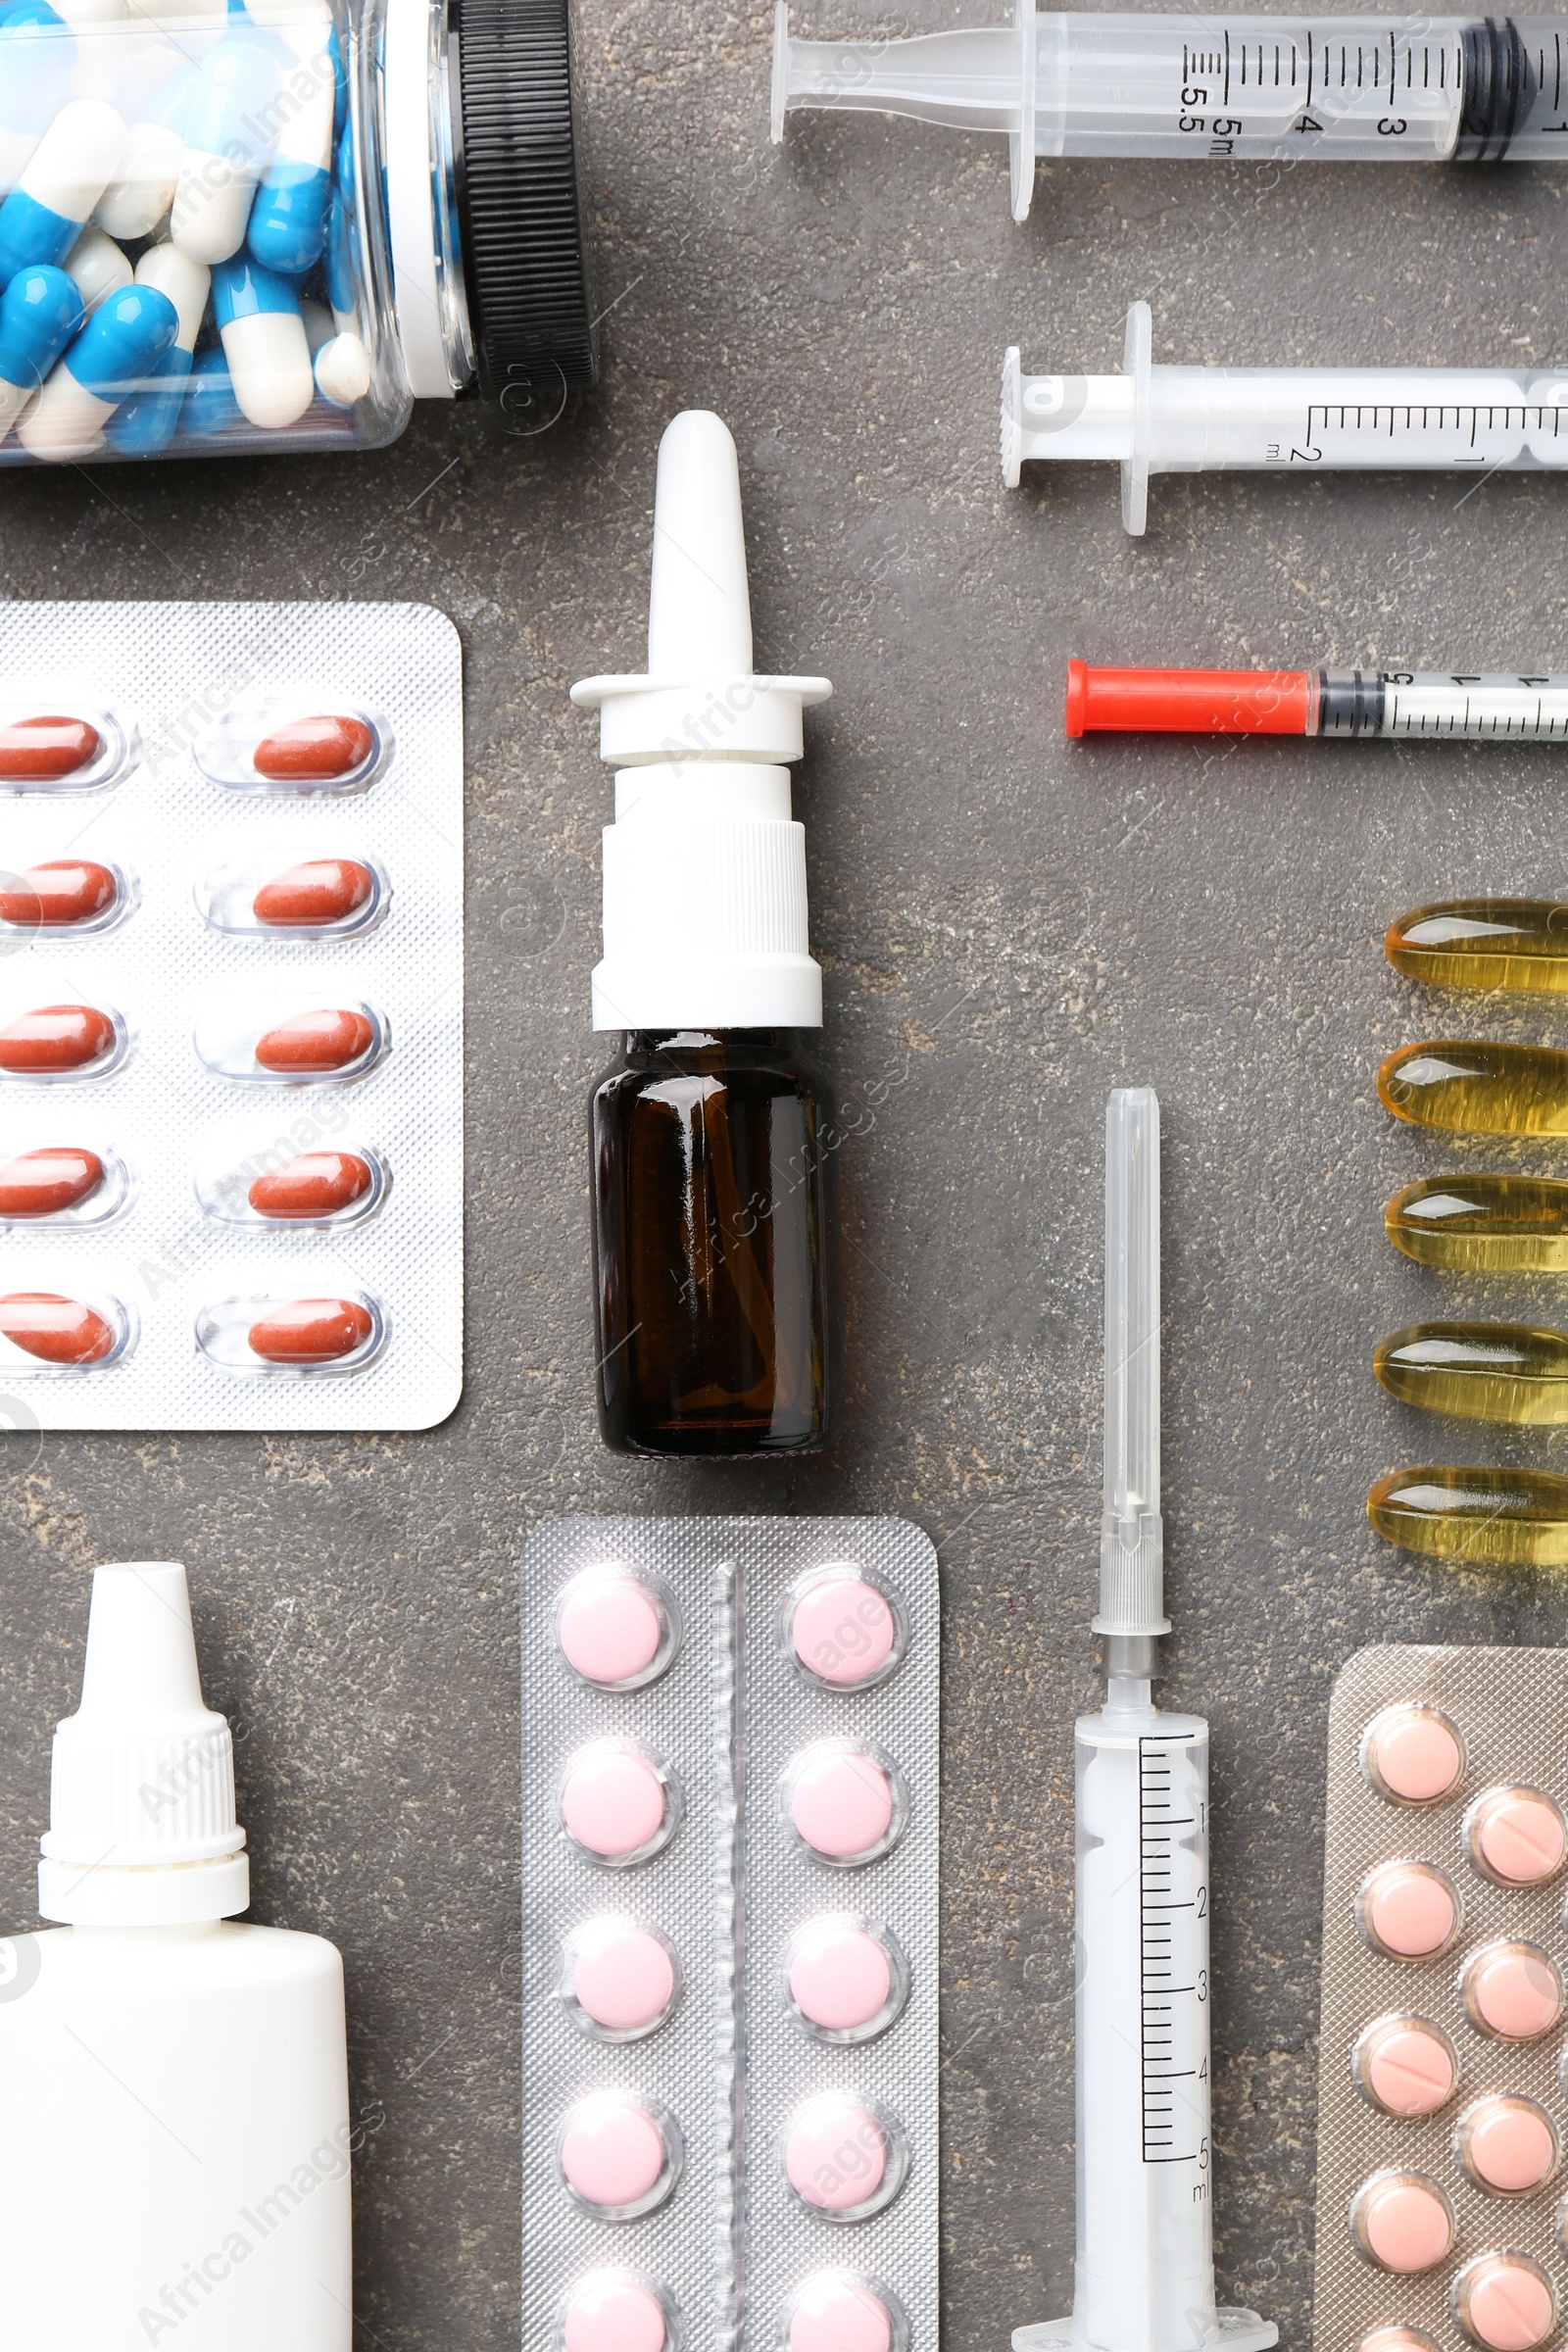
x: 1482, y: 1371
x: 1492, y: 1224
x: 1483, y: 943
x: 1477, y: 1518
x: 1477, y: 1086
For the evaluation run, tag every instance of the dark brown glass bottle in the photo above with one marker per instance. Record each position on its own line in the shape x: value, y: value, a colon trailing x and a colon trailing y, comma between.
x: 717, y: 1238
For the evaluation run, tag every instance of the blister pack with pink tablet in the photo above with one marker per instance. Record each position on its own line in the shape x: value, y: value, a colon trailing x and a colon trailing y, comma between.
x: 730, y: 1800
x: 1442, y: 2217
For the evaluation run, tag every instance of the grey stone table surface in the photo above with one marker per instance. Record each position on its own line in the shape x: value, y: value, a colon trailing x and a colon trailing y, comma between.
x: 1008, y: 924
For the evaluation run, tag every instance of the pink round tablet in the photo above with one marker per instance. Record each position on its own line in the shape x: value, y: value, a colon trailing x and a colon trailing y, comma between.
x: 1405, y: 2066
x: 610, y: 1629
x: 841, y: 1976
x: 1402, y: 2222
x: 841, y: 1802
x: 1516, y: 1836
x: 615, y: 2155
x: 1504, y: 2303
x: 837, y: 2156
x: 835, y: 2313
x: 1413, y: 1755
x: 612, y: 2313
x: 623, y: 1976
x: 1512, y: 1990
x: 843, y: 1629
x: 613, y: 1802
x: 1507, y: 2144
x: 1408, y: 1910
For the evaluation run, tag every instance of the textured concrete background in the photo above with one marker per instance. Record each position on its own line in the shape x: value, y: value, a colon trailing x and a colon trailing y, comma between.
x: 1009, y: 925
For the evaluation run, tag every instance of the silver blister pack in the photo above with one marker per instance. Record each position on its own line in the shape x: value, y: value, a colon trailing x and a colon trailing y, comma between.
x: 730, y: 1914
x: 275, y: 800
x: 1442, y: 2115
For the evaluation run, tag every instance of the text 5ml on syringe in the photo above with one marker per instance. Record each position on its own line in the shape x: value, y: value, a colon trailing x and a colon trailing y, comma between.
x: 1337, y: 89
x: 1144, y: 2276
x: 1163, y: 420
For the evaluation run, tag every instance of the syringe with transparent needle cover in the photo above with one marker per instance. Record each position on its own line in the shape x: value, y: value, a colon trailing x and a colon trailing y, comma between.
x: 1144, y: 2279
x: 1152, y: 420
x: 1244, y: 89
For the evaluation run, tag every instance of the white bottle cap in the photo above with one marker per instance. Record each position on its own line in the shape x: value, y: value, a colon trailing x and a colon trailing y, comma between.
x: 141, y: 1820
x: 704, y: 870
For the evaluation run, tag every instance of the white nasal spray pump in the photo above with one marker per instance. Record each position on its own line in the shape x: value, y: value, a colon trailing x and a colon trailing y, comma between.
x: 1144, y: 2278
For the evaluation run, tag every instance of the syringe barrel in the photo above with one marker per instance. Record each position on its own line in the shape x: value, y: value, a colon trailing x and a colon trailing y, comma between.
x: 1483, y: 707
x: 1144, y: 2278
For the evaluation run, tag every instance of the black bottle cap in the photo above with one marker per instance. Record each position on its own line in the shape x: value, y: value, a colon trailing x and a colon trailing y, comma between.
x: 521, y: 188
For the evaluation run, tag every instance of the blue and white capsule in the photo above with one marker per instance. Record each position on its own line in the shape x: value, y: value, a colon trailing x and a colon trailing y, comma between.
x: 115, y: 354
x: 98, y: 266
x: 210, y: 404
x: 136, y: 200
x: 39, y: 312
x: 148, y: 420
x: 288, y: 220
x: 62, y: 180
x: 230, y: 123
x: 262, y: 331
x: 38, y: 58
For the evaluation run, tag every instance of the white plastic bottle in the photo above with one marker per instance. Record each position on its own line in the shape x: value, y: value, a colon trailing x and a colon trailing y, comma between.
x: 173, y: 2085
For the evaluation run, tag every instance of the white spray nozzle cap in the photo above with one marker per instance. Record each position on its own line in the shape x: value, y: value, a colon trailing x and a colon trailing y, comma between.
x: 1131, y: 1532
x: 142, y: 1828
x: 699, y: 699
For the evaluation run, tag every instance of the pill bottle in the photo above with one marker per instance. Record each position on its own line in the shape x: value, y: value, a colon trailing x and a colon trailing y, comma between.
x: 715, y: 1206
x: 175, y: 2083
x: 276, y: 225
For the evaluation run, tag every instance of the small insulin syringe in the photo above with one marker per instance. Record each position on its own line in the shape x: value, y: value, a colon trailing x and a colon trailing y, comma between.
x: 1238, y: 89
x: 1363, y: 703
x: 1158, y: 420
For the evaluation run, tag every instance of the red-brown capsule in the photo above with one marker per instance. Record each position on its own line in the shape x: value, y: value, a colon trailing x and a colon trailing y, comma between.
x: 40, y: 751
x: 317, y: 1184
x: 56, y: 1037
x: 313, y: 751
x: 322, y: 890
x: 56, y: 1330
x: 39, y: 1183
x: 311, y: 1331
x: 311, y: 1041
x: 67, y: 890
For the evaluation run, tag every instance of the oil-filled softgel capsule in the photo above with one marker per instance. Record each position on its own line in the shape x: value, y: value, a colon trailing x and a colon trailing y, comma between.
x: 230, y: 1051
x: 317, y: 214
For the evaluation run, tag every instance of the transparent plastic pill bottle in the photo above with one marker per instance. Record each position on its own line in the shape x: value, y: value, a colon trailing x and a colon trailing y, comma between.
x: 228, y: 228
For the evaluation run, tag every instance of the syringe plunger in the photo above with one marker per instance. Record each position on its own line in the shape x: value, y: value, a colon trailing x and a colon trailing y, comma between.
x: 1132, y: 1536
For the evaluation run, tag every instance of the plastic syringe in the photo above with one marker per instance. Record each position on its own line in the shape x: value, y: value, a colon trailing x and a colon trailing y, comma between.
x: 1144, y: 2279
x: 1341, y: 89
x: 1363, y: 704
x: 1152, y: 420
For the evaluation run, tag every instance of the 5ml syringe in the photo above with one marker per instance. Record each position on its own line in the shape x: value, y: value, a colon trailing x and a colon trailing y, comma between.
x: 1144, y: 2278
x: 1340, y: 89
x: 1152, y: 420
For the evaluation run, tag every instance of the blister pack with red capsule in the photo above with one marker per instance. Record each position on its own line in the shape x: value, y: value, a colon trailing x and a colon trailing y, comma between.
x: 1442, y: 2111
x: 730, y: 1918
x: 230, y: 1015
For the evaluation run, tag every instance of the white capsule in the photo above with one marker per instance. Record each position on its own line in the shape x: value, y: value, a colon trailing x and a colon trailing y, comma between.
x: 15, y: 146
x: 66, y: 421
x: 269, y: 365
x: 212, y: 205
x: 98, y: 266
x: 343, y: 371
x: 187, y: 284
x: 76, y: 158
x: 134, y: 204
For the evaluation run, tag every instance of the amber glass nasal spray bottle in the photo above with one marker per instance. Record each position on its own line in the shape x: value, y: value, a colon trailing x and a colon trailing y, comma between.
x: 716, y: 1210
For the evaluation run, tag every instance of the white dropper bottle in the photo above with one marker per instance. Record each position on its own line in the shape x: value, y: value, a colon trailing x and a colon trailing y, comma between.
x: 713, y: 1152
x: 175, y: 2152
